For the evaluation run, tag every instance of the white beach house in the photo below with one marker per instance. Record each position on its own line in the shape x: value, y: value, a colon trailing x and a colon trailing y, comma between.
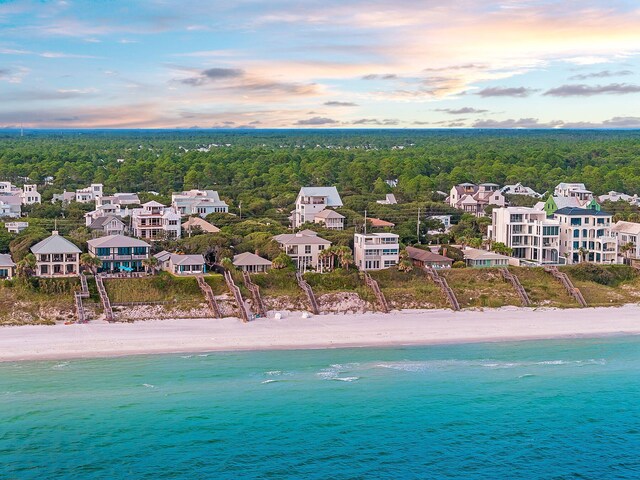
x: 56, y: 257
x: 376, y: 251
x: 313, y: 200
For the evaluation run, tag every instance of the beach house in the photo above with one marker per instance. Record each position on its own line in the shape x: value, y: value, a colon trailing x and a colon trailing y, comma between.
x: 585, y: 235
x: 30, y: 195
x: 252, y: 263
x: 121, y: 199
x: 476, y: 258
x: 154, y: 221
x: 313, y: 200
x: 330, y: 219
x: 198, y: 202
x: 108, y: 225
x: 56, y: 257
x: 119, y: 253
x: 613, y: 196
x: 519, y: 189
x: 180, y: 264
x: 532, y: 236
x: 89, y: 194
x: 16, y: 227
x: 389, y: 199
x: 198, y: 224
x: 627, y: 233
x: 10, y: 206
x: 7, y: 267
x: 303, y: 248
x: 376, y: 251
x: 474, y: 199
x: 570, y: 195
x: 428, y: 259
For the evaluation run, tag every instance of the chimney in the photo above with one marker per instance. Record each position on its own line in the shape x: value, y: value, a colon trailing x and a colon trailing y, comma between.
x: 54, y: 232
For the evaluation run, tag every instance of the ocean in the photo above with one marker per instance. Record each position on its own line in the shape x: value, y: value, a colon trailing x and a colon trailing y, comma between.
x: 565, y: 409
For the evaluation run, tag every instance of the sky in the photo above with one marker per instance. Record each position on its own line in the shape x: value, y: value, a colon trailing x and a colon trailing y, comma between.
x: 320, y: 64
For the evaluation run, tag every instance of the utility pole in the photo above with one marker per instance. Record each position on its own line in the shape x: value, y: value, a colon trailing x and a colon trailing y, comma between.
x: 240, y: 206
x: 418, y: 226
x: 365, y: 222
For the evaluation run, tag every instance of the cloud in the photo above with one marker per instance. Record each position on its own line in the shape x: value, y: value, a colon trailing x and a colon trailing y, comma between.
x: 213, y: 74
x: 375, y: 121
x: 511, y: 123
x: 461, y: 111
x: 340, y: 104
x: 581, y: 90
x: 317, y: 121
x: 519, y: 92
x: 418, y: 122
x: 376, y: 76
x: 602, y: 74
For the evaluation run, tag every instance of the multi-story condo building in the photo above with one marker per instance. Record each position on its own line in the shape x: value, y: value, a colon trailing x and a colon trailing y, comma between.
x: 198, y: 202
x: 532, y: 236
x: 376, y: 251
x: 627, y: 233
x: 10, y: 206
x: 303, y: 248
x: 474, y: 199
x: 154, y: 221
x: 119, y: 253
x: 28, y: 195
x: 585, y: 236
x: 56, y: 257
x: 313, y: 200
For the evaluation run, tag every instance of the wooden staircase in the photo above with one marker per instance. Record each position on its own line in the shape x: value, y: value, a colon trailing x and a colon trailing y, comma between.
x: 78, y: 296
x: 302, y: 283
x: 104, y: 298
x: 508, y: 276
x: 373, y: 285
x: 444, y: 286
x: 255, y: 294
x: 567, y: 284
x: 245, y: 315
x: 208, y: 294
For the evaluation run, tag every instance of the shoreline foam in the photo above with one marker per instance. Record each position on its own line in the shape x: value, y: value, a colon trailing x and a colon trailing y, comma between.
x: 403, y: 328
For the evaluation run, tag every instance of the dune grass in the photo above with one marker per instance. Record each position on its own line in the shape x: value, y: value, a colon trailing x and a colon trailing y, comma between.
x: 412, y: 289
x: 481, y: 287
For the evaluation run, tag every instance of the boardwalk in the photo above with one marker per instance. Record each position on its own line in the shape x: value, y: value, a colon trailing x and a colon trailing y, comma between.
x: 373, y: 285
x: 104, y: 298
x: 255, y: 294
x: 306, y: 288
x: 245, y: 314
x: 567, y: 284
x: 513, y: 279
x: 444, y: 286
x: 208, y: 294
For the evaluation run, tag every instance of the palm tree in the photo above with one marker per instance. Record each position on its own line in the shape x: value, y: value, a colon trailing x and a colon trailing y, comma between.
x: 27, y: 266
x: 626, y: 248
x: 90, y: 262
x: 583, y: 253
x: 227, y: 264
x: 325, y: 258
x: 150, y: 264
x: 345, y: 256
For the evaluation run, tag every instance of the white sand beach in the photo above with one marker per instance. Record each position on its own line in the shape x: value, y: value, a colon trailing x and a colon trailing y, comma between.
x: 411, y: 327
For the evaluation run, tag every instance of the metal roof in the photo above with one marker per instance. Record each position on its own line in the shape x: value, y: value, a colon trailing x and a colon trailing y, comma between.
x: 54, y: 244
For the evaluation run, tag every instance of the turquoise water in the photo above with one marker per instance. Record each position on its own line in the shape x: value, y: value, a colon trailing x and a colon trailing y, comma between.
x: 552, y: 410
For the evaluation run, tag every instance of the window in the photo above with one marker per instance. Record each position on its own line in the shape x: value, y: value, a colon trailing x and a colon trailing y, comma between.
x: 576, y: 233
x: 320, y: 247
x: 307, y: 249
x: 140, y: 250
x: 576, y: 221
x: 124, y: 251
x: 576, y: 245
x: 44, y: 269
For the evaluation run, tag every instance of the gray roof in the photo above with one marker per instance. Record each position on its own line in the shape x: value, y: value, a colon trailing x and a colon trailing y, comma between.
x: 54, y: 244
x: 6, y: 261
x: 100, y: 222
x: 178, y: 259
x: 427, y: 256
x: 163, y: 256
x: 333, y: 197
x: 249, y: 258
x: 300, y: 239
x: 117, y: 241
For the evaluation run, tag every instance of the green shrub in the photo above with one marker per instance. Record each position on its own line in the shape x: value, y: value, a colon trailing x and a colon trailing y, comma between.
x: 610, y: 275
x: 459, y: 264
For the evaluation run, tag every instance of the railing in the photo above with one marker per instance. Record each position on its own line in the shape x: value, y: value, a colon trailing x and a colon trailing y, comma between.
x: 373, y: 285
x: 244, y: 313
x: 78, y: 296
x: 444, y: 286
x: 104, y: 298
x: 515, y: 281
x: 255, y: 294
x: 208, y: 293
x: 309, y: 291
x: 567, y: 284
